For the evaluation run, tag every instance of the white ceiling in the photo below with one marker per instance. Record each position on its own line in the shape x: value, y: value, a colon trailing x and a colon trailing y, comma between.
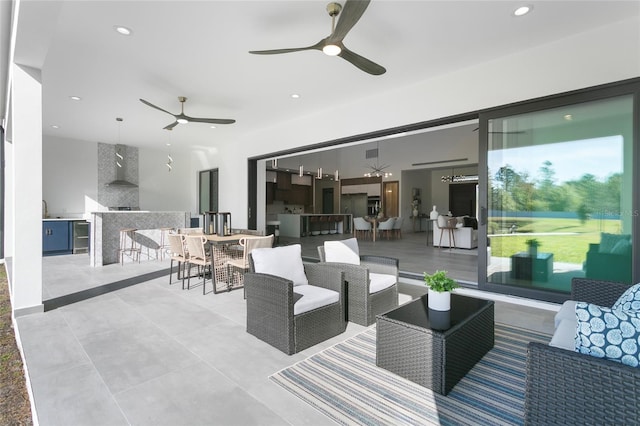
x: 199, y: 49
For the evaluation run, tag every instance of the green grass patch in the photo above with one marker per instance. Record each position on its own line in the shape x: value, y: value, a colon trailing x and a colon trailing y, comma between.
x: 570, y: 245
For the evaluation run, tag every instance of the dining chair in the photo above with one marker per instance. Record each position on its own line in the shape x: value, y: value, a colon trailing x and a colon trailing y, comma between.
x: 361, y: 226
x: 397, y: 227
x: 242, y: 264
x: 178, y: 253
x: 386, y: 228
x: 196, y: 244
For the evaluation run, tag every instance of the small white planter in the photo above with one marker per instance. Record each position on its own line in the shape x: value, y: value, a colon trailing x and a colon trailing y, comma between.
x: 439, y: 301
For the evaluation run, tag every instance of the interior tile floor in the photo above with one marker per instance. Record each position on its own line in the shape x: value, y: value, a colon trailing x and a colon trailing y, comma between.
x: 153, y: 354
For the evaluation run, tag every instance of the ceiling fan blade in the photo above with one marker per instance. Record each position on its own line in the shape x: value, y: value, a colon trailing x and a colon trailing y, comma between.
x: 210, y: 120
x: 156, y: 107
x: 317, y: 46
x: 361, y: 62
x: 349, y: 16
x: 171, y: 126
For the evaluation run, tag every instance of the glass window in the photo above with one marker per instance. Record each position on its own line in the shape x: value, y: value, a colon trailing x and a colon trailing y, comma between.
x: 559, y: 192
x: 208, y: 191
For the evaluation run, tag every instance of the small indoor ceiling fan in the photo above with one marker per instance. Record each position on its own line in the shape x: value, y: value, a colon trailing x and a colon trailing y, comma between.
x: 332, y: 45
x: 184, y: 119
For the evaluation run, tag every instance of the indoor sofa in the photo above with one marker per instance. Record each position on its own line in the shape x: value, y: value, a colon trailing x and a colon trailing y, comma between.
x: 465, y: 234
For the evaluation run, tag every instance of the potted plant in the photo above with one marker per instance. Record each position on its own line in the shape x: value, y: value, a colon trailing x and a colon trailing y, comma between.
x: 533, y: 245
x: 440, y: 286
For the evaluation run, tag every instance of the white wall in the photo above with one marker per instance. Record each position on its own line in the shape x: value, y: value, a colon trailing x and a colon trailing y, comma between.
x: 70, y: 177
x: 564, y: 65
x: 69, y: 174
x: 161, y: 189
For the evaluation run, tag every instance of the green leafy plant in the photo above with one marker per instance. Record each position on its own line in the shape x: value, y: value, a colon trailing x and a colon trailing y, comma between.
x: 438, y: 281
x: 533, y: 242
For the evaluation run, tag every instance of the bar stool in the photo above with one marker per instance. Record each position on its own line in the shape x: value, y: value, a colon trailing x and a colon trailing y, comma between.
x: 324, y: 230
x: 314, y: 228
x: 337, y: 220
x: 124, y: 248
x: 164, y: 241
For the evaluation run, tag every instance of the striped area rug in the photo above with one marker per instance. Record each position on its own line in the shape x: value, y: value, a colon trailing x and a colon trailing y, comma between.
x: 344, y: 383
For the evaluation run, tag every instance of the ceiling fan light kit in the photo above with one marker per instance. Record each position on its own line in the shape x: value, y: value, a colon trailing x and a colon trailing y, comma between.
x: 332, y: 45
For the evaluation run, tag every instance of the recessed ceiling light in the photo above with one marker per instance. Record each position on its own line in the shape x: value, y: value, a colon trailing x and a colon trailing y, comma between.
x: 568, y: 117
x: 168, y: 144
x: 295, y: 96
x: 75, y: 98
x: 123, y: 30
x: 522, y: 10
x: 213, y: 127
x: 55, y: 126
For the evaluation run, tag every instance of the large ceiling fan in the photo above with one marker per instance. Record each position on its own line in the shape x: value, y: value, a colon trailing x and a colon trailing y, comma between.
x: 332, y: 45
x: 183, y: 119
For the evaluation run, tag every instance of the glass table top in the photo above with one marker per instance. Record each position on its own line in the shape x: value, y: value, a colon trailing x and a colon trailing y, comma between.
x: 417, y: 312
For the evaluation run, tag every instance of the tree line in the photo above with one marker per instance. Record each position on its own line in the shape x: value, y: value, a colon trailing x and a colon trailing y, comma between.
x: 510, y: 190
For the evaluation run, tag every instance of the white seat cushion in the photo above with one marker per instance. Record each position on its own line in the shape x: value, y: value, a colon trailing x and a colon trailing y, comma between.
x: 285, y: 262
x: 313, y: 297
x: 568, y: 310
x: 379, y: 282
x: 565, y: 334
x: 345, y: 251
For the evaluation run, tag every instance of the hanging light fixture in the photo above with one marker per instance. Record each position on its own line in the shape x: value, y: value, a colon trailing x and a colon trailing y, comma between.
x: 336, y: 176
x: 319, y: 175
x: 301, y: 170
x: 169, y: 162
x: 377, y: 168
x: 274, y: 163
x: 119, y: 156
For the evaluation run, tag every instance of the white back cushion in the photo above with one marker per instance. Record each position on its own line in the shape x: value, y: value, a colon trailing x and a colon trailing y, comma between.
x: 345, y: 251
x: 285, y: 262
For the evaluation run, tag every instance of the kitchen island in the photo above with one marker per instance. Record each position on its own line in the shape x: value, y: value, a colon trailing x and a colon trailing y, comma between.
x: 305, y: 224
x: 106, y: 226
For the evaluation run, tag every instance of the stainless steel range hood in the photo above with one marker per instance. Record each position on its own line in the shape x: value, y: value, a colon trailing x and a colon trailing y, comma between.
x: 120, y: 164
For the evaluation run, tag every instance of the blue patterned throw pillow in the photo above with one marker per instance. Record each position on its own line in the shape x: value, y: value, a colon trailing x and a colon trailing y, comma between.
x: 613, y: 334
x: 629, y: 300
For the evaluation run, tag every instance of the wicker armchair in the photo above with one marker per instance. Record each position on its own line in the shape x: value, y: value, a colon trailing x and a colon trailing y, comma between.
x: 362, y: 305
x: 566, y: 387
x: 270, y: 307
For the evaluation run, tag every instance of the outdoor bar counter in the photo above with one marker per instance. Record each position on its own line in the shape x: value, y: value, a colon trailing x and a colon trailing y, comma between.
x: 106, y: 226
x: 305, y: 224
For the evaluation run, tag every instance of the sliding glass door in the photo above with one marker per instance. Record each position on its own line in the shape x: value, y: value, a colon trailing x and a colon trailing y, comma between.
x: 559, y: 195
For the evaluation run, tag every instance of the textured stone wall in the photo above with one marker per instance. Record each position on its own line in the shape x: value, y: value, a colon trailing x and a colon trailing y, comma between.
x: 110, y: 196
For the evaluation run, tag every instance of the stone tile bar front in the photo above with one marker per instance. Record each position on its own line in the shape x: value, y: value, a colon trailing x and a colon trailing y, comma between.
x: 106, y: 226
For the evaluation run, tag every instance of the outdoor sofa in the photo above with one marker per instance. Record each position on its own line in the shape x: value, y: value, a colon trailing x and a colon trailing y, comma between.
x: 570, y: 388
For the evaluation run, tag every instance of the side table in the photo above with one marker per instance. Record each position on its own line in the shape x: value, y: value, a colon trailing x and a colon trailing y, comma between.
x: 524, y: 266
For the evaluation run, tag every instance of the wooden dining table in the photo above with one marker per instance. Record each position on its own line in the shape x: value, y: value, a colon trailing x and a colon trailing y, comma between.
x: 374, y: 222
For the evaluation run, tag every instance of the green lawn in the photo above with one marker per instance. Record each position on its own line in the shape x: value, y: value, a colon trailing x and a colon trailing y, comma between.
x: 570, y: 248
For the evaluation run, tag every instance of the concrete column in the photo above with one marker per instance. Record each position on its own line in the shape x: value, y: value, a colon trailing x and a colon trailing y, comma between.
x: 26, y: 253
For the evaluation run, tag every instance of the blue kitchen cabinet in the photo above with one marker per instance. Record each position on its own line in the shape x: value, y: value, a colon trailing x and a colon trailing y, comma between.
x: 57, y: 237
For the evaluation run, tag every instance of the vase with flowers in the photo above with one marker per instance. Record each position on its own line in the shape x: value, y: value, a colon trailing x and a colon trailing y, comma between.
x: 415, y: 207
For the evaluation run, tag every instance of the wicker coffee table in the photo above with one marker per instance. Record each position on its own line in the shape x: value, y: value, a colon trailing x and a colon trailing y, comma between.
x: 432, y: 348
